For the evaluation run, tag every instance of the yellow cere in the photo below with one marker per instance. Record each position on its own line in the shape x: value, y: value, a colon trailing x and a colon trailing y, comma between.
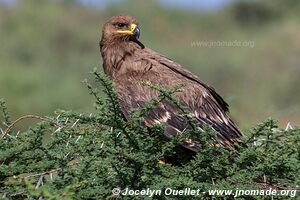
x: 129, y: 32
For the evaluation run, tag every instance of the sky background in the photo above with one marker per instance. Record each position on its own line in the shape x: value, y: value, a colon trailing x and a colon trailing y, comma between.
x: 181, y: 4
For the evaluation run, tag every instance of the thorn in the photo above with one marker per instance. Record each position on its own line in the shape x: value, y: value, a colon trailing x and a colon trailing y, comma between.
x: 68, y: 141
x: 17, y: 134
x: 254, y: 141
x: 66, y: 155
x: 288, y: 126
x: 75, y: 123
x: 1, y: 131
x: 90, y: 115
x: 67, y: 120
x: 78, y: 138
x: 51, y: 176
x: 57, y: 117
x: 57, y: 130
x: 200, y: 129
x: 183, y: 130
x: 111, y: 129
x: 101, y: 145
x: 118, y: 134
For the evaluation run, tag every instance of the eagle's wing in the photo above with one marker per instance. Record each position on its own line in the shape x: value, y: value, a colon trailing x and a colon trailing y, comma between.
x: 202, y: 100
x: 210, y: 107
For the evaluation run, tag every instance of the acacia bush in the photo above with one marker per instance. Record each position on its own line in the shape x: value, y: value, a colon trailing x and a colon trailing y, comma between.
x: 76, y: 156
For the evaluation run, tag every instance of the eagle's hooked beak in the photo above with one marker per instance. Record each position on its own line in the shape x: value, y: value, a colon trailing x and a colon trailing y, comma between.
x: 134, y: 30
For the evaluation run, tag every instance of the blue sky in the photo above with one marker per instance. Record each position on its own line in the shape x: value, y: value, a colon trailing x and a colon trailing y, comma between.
x: 195, y: 4
x: 186, y: 4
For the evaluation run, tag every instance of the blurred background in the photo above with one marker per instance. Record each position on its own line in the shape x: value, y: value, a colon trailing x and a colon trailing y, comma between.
x: 47, y: 47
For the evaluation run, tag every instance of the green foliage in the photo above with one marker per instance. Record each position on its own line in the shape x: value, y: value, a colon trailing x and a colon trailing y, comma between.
x: 6, y: 117
x: 86, y: 156
x: 262, y: 12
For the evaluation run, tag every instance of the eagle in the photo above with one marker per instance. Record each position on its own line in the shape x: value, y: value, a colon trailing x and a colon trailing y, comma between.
x: 128, y: 63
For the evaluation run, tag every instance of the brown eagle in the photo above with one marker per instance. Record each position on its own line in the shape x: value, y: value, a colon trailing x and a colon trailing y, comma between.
x: 128, y: 62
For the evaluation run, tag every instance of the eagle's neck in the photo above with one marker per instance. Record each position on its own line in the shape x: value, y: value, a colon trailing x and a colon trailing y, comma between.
x: 114, y: 54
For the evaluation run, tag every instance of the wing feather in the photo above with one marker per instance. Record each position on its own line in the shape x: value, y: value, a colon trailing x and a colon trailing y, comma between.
x: 202, y: 100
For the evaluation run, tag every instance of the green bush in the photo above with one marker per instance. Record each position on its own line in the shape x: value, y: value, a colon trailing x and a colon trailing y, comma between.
x: 77, y: 156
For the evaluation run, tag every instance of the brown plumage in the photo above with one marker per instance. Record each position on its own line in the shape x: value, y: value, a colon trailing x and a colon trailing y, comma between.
x: 127, y: 62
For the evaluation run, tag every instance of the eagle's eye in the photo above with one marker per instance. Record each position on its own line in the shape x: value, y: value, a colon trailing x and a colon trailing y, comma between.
x: 120, y: 25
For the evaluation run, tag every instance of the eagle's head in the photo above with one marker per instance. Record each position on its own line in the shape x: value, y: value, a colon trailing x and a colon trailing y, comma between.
x: 119, y: 40
x: 120, y: 28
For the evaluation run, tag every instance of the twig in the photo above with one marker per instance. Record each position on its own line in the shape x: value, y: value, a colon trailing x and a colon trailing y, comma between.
x: 40, y: 174
x: 46, y: 172
x: 4, y: 195
x: 17, y: 193
x: 40, y: 182
x: 29, y: 117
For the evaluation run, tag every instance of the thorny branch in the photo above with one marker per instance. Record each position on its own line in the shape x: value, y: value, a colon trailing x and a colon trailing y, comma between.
x: 5, y: 132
